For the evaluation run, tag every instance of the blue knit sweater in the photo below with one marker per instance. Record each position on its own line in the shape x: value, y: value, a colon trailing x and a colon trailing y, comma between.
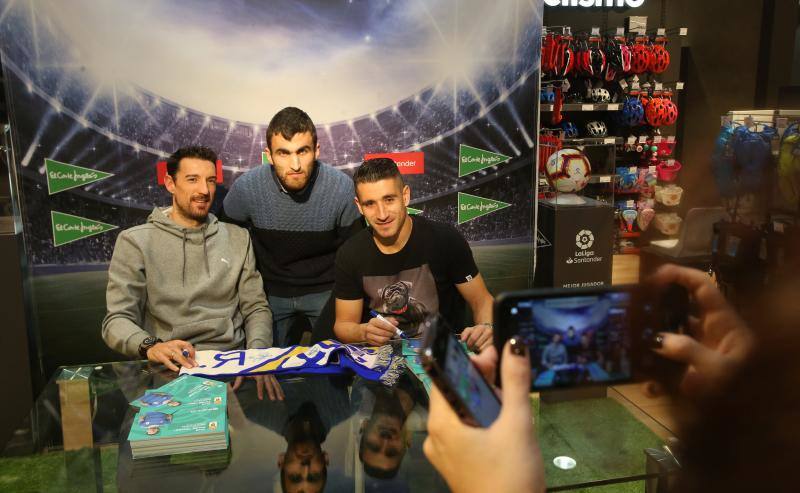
x: 295, y: 235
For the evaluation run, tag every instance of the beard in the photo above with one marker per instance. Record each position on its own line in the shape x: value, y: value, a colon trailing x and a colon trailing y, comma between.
x: 193, y: 213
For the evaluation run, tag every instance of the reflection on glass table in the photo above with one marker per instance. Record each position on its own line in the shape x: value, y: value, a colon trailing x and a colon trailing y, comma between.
x: 331, y: 433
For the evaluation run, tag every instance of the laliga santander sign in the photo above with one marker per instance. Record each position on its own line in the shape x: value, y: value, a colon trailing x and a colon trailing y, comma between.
x: 594, y: 3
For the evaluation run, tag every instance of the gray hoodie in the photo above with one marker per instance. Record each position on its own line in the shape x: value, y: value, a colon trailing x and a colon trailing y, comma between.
x: 196, y: 284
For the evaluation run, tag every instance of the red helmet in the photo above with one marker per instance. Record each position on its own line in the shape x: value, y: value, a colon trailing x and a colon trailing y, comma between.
x: 626, y: 58
x: 671, y: 115
x: 640, y: 58
x: 659, y: 60
x: 564, y: 56
x: 656, y: 112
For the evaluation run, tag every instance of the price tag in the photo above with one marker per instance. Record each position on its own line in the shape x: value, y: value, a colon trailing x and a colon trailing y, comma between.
x: 684, y: 31
x: 587, y: 107
x: 657, y: 139
x: 631, y: 140
x: 595, y: 31
x: 661, y: 31
x: 623, y: 84
x: 568, y: 31
x: 678, y: 86
x: 651, y: 169
x: 642, y: 139
x: 781, y: 122
x: 671, y: 139
x: 630, y: 204
x: 620, y: 31
x: 670, y: 162
x: 609, y: 140
x: 659, y: 86
x: 605, y: 179
x: 778, y: 227
x: 542, y: 181
x: 633, y: 170
x: 613, y: 107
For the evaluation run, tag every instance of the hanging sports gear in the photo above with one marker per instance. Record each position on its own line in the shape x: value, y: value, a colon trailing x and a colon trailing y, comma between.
x: 632, y: 113
x: 600, y: 95
x: 659, y: 61
x: 596, y: 129
x: 640, y: 58
x: 570, y: 130
x: 656, y: 112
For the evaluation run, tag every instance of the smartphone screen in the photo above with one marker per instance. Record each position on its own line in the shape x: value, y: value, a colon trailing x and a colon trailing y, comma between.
x: 469, y: 385
x: 574, y: 340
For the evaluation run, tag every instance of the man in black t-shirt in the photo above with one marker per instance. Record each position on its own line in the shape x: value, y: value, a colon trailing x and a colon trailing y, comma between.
x: 404, y: 269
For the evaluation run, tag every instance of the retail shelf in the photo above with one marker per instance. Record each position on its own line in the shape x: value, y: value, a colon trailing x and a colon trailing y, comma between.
x: 601, y: 179
x: 594, y: 141
x: 545, y: 108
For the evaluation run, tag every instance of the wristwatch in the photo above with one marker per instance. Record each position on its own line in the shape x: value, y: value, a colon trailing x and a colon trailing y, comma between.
x: 146, y: 344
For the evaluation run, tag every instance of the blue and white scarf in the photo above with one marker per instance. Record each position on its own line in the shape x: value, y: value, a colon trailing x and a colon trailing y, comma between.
x: 326, y: 357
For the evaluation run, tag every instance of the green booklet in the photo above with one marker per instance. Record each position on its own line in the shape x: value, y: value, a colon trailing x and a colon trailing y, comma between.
x: 182, y: 422
x: 186, y: 415
x: 184, y: 390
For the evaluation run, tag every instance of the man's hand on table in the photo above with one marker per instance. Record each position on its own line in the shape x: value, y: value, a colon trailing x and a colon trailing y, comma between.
x: 478, y: 337
x: 171, y: 354
x: 268, y: 382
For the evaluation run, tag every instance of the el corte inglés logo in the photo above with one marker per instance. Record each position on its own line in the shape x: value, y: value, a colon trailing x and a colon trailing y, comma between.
x: 472, y: 206
x: 64, y: 176
x: 68, y: 228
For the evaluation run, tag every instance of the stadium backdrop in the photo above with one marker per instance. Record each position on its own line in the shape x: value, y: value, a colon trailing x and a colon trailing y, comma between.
x: 99, y: 93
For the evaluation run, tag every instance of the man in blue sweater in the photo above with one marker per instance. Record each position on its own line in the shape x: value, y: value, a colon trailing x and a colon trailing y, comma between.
x: 298, y: 211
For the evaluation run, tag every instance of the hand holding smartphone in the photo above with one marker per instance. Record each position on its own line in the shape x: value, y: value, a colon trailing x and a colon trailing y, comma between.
x: 594, y: 336
x: 456, y: 377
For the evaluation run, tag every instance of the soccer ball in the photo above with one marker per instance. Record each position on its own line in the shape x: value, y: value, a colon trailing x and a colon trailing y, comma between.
x: 568, y: 170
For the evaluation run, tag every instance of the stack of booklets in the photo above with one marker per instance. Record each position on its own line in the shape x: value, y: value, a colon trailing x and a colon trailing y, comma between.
x: 186, y: 415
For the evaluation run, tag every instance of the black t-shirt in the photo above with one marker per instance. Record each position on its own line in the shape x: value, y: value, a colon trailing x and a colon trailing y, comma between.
x: 408, y: 285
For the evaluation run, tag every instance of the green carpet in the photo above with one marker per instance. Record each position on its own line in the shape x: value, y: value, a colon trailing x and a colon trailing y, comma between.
x: 47, y: 472
x: 605, y: 440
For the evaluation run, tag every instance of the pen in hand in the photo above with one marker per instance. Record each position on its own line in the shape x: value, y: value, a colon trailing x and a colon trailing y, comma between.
x: 399, y: 333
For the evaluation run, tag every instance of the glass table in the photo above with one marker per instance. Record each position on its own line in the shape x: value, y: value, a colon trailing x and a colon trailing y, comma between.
x: 331, y: 433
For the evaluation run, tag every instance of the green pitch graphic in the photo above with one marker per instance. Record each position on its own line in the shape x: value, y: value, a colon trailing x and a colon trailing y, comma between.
x: 68, y: 228
x: 472, y: 159
x: 63, y: 176
x: 472, y: 206
x: 413, y: 212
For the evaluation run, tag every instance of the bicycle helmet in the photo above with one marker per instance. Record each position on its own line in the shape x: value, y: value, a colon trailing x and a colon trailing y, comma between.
x: 632, y: 113
x: 597, y: 60
x: 570, y: 130
x: 656, y: 112
x: 626, y: 58
x: 659, y: 61
x: 672, y: 112
x: 596, y: 129
x: 600, y: 95
x: 640, y: 58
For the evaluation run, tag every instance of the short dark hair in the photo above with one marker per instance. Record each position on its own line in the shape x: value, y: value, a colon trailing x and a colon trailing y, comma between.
x: 376, y: 169
x: 199, y: 152
x: 288, y: 122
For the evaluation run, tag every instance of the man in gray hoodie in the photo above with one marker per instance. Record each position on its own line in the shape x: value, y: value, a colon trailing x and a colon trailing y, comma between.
x: 184, y: 280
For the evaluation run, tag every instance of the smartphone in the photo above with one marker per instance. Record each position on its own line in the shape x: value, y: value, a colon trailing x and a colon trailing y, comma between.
x: 596, y: 336
x: 446, y: 361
